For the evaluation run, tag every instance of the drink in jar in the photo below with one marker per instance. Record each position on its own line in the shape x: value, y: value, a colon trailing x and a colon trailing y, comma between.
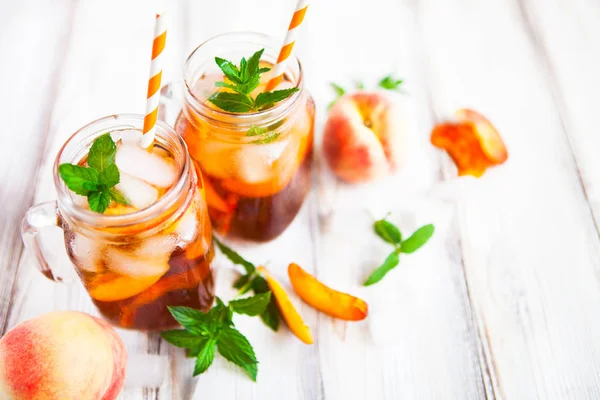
x: 256, y: 165
x: 155, y: 251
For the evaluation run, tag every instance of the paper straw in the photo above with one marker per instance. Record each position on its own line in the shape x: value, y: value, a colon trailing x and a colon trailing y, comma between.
x: 158, y: 45
x: 288, y: 44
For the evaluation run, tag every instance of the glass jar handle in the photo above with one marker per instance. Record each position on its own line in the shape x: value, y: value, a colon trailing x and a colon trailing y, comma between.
x: 38, y: 217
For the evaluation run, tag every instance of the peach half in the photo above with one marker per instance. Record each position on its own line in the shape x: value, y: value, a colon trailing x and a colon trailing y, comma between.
x: 471, y: 141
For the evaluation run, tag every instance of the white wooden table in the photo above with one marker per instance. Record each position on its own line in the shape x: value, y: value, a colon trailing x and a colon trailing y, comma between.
x: 504, y: 302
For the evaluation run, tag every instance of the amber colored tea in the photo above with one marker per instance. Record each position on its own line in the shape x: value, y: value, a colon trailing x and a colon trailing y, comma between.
x: 153, y: 263
x: 255, y: 184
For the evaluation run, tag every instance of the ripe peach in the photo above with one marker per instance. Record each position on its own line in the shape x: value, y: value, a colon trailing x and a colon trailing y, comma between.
x: 62, y: 355
x: 363, y: 137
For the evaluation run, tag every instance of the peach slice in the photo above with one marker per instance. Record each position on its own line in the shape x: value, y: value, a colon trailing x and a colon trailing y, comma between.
x: 184, y: 280
x: 292, y: 318
x: 323, y: 298
x: 472, y: 142
x: 113, y: 287
x: 213, y: 199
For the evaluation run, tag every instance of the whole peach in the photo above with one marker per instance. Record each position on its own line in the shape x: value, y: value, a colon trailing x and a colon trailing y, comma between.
x: 364, y: 136
x: 62, y: 355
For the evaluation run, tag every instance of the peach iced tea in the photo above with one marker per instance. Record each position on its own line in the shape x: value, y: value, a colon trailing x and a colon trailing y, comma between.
x: 255, y: 157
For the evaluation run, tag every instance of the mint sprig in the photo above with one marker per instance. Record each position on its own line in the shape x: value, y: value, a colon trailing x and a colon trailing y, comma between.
x: 252, y: 280
x: 242, y: 81
x: 203, y: 333
x: 392, y: 235
x: 96, y: 181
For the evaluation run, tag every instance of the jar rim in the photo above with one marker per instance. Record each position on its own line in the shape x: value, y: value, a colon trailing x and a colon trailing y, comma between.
x: 84, y: 137
x: 244, y: 120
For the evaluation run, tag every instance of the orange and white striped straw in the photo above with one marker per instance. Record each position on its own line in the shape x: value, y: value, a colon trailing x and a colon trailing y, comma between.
x: 154, y: 83
x: 288, y: 44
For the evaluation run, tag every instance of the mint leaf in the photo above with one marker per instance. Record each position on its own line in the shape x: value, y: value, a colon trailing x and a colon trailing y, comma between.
x: 268, y: 138
x: 102, y: 153
x: 109, y: 176
x: 359, y: 85
x: 417, y: 239
x: 253, y: 63
x: 242, y: 282
x: 232, y: 102
x: 389, y: 83
x: 229, y: 69
x: 339, y: 91
x: 228, y: 86
x: 256, y: 131
x: 80, y: 180
x: 252, y: 306
x: 194, y: 350
x: 181, y: 338
x: 244, y: 70
x: 260, y: 131
x: 235, y: 257
x: 390, y: 262
x: 387, y: 231
x: 118, y: 197
x: 270, y: 316
x: 99, y: 200
x: 221, y: 313
x: 206, y: 355
x: 235, y: 347
x: 244, y: 80
x: 267, y: 99
x: 188, y: 317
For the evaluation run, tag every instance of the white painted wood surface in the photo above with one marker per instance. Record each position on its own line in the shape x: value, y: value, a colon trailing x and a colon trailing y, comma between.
x: 504, y: 301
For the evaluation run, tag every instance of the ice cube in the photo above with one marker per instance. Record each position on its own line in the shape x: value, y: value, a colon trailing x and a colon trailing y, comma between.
x: 186, y: 225
x: 216, y: 158
x: 131, y: 136
x: 131, y: 264
x: 255, y: 162
x: 87, y: 252
x: 136, y: 191
x: 115, y: 136
x: 140, y: 163
x: 157, y: 246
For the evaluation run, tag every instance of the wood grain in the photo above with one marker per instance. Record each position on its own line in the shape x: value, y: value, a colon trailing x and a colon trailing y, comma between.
x: 502, y: 303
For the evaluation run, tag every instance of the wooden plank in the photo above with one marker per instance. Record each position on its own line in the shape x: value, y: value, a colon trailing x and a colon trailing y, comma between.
x: 419, y: 340
x: 104, y: 72
x: 566, y: 39
x: 28, y: 75
x: 529, y: 244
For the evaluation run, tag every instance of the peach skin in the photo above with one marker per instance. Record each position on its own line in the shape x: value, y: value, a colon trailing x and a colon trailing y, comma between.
x: 471, y: 141
x: 364, y: 136
x: 323, y: 298
x: 288, y: 311
x: 62, y: 355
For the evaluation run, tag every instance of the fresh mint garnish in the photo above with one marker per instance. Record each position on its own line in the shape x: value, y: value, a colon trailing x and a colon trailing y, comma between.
x: 252, y: 280
x: 95, y: 181
x: 390, y: 83
x: 242, y: 81
x: 203, y: 333
x: 392, y: 235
